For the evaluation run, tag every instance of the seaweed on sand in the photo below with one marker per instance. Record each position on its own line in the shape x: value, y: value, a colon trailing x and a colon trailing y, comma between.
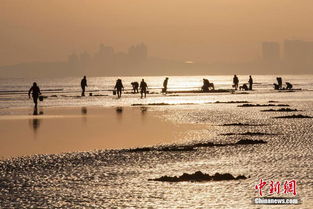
x: 231, y: 102
x: 241, y: 124
x: 280, y: 110
x: 294, y: 116
x: 248, y: 133
x: 263, y: 105
x: 192, y: 147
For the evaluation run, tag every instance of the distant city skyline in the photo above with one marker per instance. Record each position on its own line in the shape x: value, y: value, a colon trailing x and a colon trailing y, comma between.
x: 215, y: 31
x: 290, y: 55
x: 284, y: 57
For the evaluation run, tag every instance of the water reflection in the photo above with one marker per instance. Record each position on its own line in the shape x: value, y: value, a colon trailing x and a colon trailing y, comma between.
x: 119, y: 111
x: 35, y: 122
x: 84, y: 112
x: 143, y: 110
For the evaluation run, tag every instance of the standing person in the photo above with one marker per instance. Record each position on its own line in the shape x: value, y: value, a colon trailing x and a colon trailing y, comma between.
x: 35, y: 90
x: 280, y: 82
x: 143, y: 88
x: 164, y: 90
x: 250, y: 82
x: 83, y: 84
x: 235, y: 82
x: 119, y: 87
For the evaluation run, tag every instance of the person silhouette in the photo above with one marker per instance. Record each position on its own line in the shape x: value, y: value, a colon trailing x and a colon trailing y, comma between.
x: 250, y: 82
x: 83, y: 85
x: 164, y: 90
x: 135, y: 86
x: 35, y: 90
x: 119, y: 87
x: 289, y: 85
x: 279, y: 82
x: 235, y: 82
x: 143, y: 88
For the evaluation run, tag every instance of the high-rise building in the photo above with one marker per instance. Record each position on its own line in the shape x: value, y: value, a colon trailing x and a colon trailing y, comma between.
x: 298, y: 53
x: 271, y: 52
x: 138, y: 52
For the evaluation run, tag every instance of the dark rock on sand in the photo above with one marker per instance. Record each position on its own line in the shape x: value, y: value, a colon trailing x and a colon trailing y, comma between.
x: 294, y: 116
x: 280, y: 110
x: 198, y: 177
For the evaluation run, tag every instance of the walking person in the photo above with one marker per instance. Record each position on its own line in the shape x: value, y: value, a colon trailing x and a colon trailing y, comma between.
x: 250, y: 82
x: 83, y: 85
x: 119, y: 87
x: 235, y: 82
x: 35, y: 91
x: 143, y: 88
x: 164, y: 90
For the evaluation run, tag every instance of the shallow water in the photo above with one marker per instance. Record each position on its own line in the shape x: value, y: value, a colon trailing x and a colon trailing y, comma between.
x: 117, y: 178
x: 13, y: 92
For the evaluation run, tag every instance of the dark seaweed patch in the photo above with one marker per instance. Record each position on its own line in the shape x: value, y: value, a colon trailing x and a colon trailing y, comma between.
x: 263, y: 105
x: 199, y: 176
x: 280, y: 110
x: 248, y: 134
x: 242, y: 124
x: 192, y: 147
x: 294, y: 116
x: 231, y: 102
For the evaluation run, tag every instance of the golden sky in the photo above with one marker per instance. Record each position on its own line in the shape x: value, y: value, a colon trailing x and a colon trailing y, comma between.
x: 198, y: 30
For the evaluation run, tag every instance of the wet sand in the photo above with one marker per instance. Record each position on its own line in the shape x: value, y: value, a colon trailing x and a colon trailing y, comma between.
x: 57, y: 130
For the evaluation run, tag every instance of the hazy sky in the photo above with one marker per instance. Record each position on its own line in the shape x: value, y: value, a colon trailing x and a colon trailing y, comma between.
x: 199, y: 30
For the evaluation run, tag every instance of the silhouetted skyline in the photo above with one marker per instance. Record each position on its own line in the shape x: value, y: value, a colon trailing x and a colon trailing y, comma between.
x: 210, y: 36
x: 285, y: 57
